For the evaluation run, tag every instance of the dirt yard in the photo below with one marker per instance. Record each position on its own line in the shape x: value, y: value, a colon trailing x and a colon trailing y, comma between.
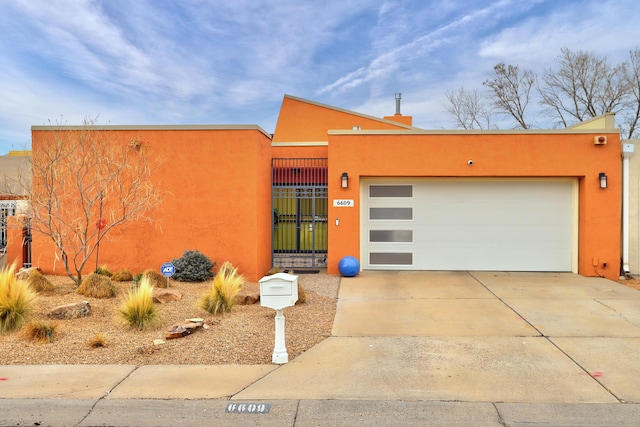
x: 246, y: 335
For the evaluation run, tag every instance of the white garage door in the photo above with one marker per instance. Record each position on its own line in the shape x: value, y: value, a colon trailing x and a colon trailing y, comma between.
x: 464, y: 224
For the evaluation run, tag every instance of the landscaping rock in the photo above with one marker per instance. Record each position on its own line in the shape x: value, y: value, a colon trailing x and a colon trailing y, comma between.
x: 179, y: 331
x: 165, y: 295
x: 71, y: 311
x: 244, y: 298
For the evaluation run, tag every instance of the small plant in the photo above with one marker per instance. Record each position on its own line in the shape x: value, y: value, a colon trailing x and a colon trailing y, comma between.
x: 122, y: 276
x: 155, y: 279
x: 138, y: 309
x: 136, y: 279
x: 38, y: 282
x: 41, y: 332
x: 226, y: 285
x: 103, y: 270
x: 97, y: 341
x: 193, y: 266
x: 97, y: 286
x: 16, y: 300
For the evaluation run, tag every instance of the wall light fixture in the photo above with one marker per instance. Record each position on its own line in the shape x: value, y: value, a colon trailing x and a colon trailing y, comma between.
x: 344, y: 180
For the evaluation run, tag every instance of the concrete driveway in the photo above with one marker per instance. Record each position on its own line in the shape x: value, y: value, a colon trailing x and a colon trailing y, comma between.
x: 474, y: 337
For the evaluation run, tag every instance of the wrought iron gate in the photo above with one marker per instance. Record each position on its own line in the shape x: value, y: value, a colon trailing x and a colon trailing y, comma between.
x: 300, y: 202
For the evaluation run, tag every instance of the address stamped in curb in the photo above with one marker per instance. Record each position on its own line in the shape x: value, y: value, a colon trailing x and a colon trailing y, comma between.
x: 248, y: 408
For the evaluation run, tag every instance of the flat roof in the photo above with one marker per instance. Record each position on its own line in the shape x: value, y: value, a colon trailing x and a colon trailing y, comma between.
x: 153, y: 127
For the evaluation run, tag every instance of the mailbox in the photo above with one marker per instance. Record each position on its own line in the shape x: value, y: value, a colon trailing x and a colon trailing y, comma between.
x: 278, y: 291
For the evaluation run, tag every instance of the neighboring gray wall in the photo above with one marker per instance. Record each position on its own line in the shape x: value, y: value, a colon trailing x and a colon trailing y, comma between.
x: 15, y: 175
x: 634, y: 207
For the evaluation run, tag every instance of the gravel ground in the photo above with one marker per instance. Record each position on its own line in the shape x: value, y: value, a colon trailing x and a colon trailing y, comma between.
x: 244, y: 336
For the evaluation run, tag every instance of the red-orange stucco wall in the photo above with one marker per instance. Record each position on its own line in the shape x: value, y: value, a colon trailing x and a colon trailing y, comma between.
x: 216, y: 186
x: 407, y: 154
x: 302, y: 120
x: 15, y: 239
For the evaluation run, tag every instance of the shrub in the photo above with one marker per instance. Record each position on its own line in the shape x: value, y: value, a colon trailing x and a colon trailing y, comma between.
x: 103, y: 270
x: 226, y: 285
x: 16, y: 300
x: 97, y: 341
x: 302, y: 295
x: 97, y: 286
x: 41, y: 331
x: 38, y: 282
x: 122, y: 276
x: 138, y: 309
x: 193, y: 266
x: 155, y: 278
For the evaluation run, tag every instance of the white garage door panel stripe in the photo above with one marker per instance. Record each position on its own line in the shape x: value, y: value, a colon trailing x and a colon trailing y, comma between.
x: 481, y: 224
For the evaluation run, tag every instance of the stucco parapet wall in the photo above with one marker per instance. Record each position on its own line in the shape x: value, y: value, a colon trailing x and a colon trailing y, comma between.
x: 567, y: 131
x: 351, y: 113
x: 154, y: 127
x: 300, y: 144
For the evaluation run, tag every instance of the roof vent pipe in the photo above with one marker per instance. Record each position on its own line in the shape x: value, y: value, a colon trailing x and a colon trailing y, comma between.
x: 398, y: 97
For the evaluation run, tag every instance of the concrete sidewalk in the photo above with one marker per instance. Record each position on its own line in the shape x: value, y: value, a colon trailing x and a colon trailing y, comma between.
x: 407, y: 348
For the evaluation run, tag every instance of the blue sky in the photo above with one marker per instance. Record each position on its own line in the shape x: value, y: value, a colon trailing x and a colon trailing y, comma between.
x: 231, y: 62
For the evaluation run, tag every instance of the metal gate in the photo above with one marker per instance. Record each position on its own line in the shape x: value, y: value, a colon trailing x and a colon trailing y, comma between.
x: 300, y: 203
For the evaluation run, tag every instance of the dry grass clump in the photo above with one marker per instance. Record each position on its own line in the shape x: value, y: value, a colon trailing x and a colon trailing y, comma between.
x: 98, y: 341
x: 226, y: 285
x: 123, y: 275
x: 39, y: 282
x: 138, y: 309
x: 274, y: 270
x: 41, y: 332
x: 155, y: 279
x: 16, y: 300
x: 302, y: 295
x: 96, y: 286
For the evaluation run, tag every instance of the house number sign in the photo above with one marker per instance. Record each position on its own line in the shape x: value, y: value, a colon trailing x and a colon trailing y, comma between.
x: 343, y: 203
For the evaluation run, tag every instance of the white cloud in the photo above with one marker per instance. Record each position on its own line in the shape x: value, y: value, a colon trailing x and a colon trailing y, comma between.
x: 193, y: 61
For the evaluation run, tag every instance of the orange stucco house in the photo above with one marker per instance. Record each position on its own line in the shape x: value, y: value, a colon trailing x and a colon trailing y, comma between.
x: 330, y: 183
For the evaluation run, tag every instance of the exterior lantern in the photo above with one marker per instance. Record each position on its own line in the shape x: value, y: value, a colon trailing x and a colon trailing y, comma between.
x: 603, y: 180
x: 344, y: 180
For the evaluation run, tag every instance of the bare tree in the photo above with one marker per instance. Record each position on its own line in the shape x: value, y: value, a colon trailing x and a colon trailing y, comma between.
x: 468, y: 109
x: 511, y: 91
x: 631, y: 114
x: 85, y: 184
x: 583, y: 86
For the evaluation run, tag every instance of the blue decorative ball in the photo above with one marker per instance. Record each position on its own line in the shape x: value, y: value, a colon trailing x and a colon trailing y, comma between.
x: 349, y: 266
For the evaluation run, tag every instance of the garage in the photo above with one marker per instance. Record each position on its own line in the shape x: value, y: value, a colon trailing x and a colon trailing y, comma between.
x: 520, y: 224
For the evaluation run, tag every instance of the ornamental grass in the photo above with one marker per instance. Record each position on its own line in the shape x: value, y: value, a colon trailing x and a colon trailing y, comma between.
x: 138, y: 309
x: 226, y: 285
x: 16, y: 300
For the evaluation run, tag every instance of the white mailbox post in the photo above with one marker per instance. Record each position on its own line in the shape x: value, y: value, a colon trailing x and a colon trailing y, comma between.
x: 279, y: 291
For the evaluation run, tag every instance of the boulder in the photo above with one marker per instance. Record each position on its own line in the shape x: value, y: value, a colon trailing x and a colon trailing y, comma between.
x: 165, y: 295
x: 71, y: 311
